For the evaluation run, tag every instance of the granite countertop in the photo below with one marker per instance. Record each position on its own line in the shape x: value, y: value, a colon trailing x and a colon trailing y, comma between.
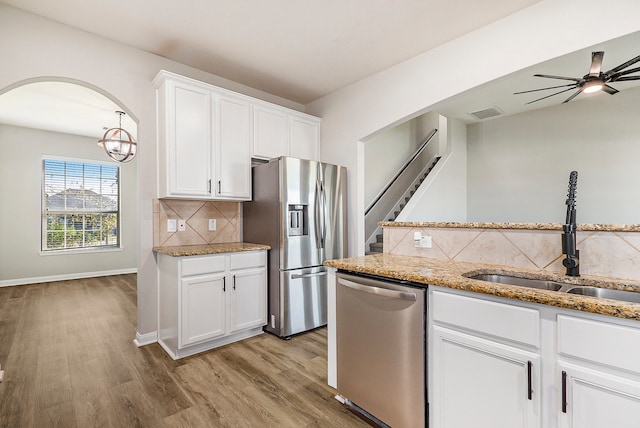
x: 451, y: 274
x: 525, y: 226
x: 199, y: 250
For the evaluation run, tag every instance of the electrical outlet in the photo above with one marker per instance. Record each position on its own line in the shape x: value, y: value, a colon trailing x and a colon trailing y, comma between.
x: 212, y: 224
x: 171, y: 225
x: 182, y: 226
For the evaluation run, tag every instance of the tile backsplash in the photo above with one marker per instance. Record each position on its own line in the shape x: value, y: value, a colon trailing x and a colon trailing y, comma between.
x: 605, y: 253
x: 196, y: 215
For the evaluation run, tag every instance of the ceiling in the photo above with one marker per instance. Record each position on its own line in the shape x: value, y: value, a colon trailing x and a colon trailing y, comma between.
x: 266, y: 48
x: 300, y: 50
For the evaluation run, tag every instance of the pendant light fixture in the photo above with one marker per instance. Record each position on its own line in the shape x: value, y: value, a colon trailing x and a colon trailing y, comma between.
x: 118, y: 142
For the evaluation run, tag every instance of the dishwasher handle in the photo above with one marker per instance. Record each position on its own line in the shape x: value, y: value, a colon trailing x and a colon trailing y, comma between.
x: 382, y: 292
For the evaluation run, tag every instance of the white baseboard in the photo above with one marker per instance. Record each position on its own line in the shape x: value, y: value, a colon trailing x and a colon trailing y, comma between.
x: 145, y: 339
x: 64, y: 277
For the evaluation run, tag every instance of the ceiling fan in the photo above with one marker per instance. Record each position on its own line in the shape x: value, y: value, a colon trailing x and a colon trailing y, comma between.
x: 595, y: 81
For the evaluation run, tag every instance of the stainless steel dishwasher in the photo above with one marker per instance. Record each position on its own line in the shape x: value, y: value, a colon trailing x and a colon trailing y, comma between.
x: 381, y: 349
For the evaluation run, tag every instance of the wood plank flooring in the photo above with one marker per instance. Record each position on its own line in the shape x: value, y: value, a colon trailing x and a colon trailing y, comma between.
x: 69, y: 360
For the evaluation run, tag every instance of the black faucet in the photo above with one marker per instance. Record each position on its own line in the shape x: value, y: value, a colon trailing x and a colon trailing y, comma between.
x: 572, y: 259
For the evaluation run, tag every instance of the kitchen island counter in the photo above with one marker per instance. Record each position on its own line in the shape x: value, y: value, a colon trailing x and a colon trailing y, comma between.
x: 454, y: 274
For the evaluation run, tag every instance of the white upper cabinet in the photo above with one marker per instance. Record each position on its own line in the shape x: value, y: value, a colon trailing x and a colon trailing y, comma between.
x: 305, y: 137
x: 279, y: 131
x: 185, y: 120
x: 208, y: 135
x: 204, y: 140
x: 270, y: 132
x: 232, y: 142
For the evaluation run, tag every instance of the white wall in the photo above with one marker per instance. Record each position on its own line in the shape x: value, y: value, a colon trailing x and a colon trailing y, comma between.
x: 519, y: 165
x: 546, y: 30
x: 33, y: 47
x: 20, y: 220
x: 386, y: 152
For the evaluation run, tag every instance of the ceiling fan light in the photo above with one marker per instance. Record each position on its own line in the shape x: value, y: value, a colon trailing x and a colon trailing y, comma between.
x: 593, y: 86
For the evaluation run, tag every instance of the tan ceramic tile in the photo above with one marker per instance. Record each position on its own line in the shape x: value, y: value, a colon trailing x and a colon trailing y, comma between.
x: 609, y: 255
x: 630, y: 237
x: 156, y: 205
x: 452, y: 241
x: 184, y: 208
x: 541, y: 247
x: 165, y: 214
x: 406, y: 247
x: 188, y: 237
x: 226, y: 234
x: 395, y: 236
x: 491, y: 246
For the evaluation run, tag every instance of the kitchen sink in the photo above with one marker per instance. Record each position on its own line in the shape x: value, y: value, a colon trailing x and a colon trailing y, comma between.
x: 606, y: 293
x: 540, y: 284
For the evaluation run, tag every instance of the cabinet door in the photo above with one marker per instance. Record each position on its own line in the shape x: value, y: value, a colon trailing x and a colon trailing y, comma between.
x: 233, y: 148
x: 248, y: 299
x: 189, y: 154
x: 270, y: 132
x: 595, y: 399
x: 480, y: 383
x: 305, y: 138
x: 202, y: 308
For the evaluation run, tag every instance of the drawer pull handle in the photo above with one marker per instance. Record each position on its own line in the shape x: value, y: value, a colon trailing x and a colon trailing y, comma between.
x: 234, y: 282
x: 564, y: 392
x: 529, y: 383
x: 224, y: 284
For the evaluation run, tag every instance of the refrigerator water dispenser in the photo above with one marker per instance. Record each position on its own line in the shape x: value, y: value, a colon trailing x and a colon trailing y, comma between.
x: 297, y: 215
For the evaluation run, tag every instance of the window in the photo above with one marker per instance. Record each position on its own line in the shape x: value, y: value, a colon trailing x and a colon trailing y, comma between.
x: 80, y: 205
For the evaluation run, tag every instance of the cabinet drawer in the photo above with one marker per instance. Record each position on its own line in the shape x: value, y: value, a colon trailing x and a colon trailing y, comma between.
x: 202, y: 264
x: 513, y: 323
x: 610, y: 344
x: 248, y: 260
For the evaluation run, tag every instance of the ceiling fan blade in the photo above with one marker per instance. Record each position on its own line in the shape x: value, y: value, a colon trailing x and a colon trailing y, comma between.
x: 625, y: 72
x: 623, y: 66
x: 544, y: 89
x: 596, y: 63
x: 610, y: 90
x: 548, y: 76
x: 623, y: 78
x: 572, y: 96
x: 556, y: 93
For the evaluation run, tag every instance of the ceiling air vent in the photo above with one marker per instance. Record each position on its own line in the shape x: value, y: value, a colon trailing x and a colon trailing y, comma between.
x: 486, y: 113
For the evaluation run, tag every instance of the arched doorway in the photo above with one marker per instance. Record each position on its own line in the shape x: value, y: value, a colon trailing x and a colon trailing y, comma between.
x: 57, y: 118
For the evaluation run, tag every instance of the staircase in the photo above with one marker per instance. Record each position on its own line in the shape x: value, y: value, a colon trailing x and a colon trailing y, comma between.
x: 376, y: 247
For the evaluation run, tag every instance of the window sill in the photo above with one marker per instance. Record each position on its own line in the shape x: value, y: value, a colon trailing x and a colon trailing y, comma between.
x: 92, y: 250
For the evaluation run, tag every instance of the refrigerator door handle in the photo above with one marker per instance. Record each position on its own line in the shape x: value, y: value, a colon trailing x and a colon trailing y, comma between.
x: 308, y: 275
x: 321, y: 209
x: 318, y: 215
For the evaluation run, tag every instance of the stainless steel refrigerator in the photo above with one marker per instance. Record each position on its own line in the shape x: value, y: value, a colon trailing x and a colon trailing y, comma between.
x: 299, y: 209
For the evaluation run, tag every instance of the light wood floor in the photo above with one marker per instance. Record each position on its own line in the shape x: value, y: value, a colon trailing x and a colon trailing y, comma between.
x: 69, y: 360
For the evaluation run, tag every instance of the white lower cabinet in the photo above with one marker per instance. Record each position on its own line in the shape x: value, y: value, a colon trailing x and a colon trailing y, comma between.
x: 596, y: 399
x: 598, y: 372
x: 203, y: 308
x: 481, y: 375
x: 504, y: 363
x: 211, y: 300
x: 496, y: 385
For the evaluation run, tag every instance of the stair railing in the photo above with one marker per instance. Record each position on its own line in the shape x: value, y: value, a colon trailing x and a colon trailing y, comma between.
x: 404, y: 168
x: 393, y: 193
